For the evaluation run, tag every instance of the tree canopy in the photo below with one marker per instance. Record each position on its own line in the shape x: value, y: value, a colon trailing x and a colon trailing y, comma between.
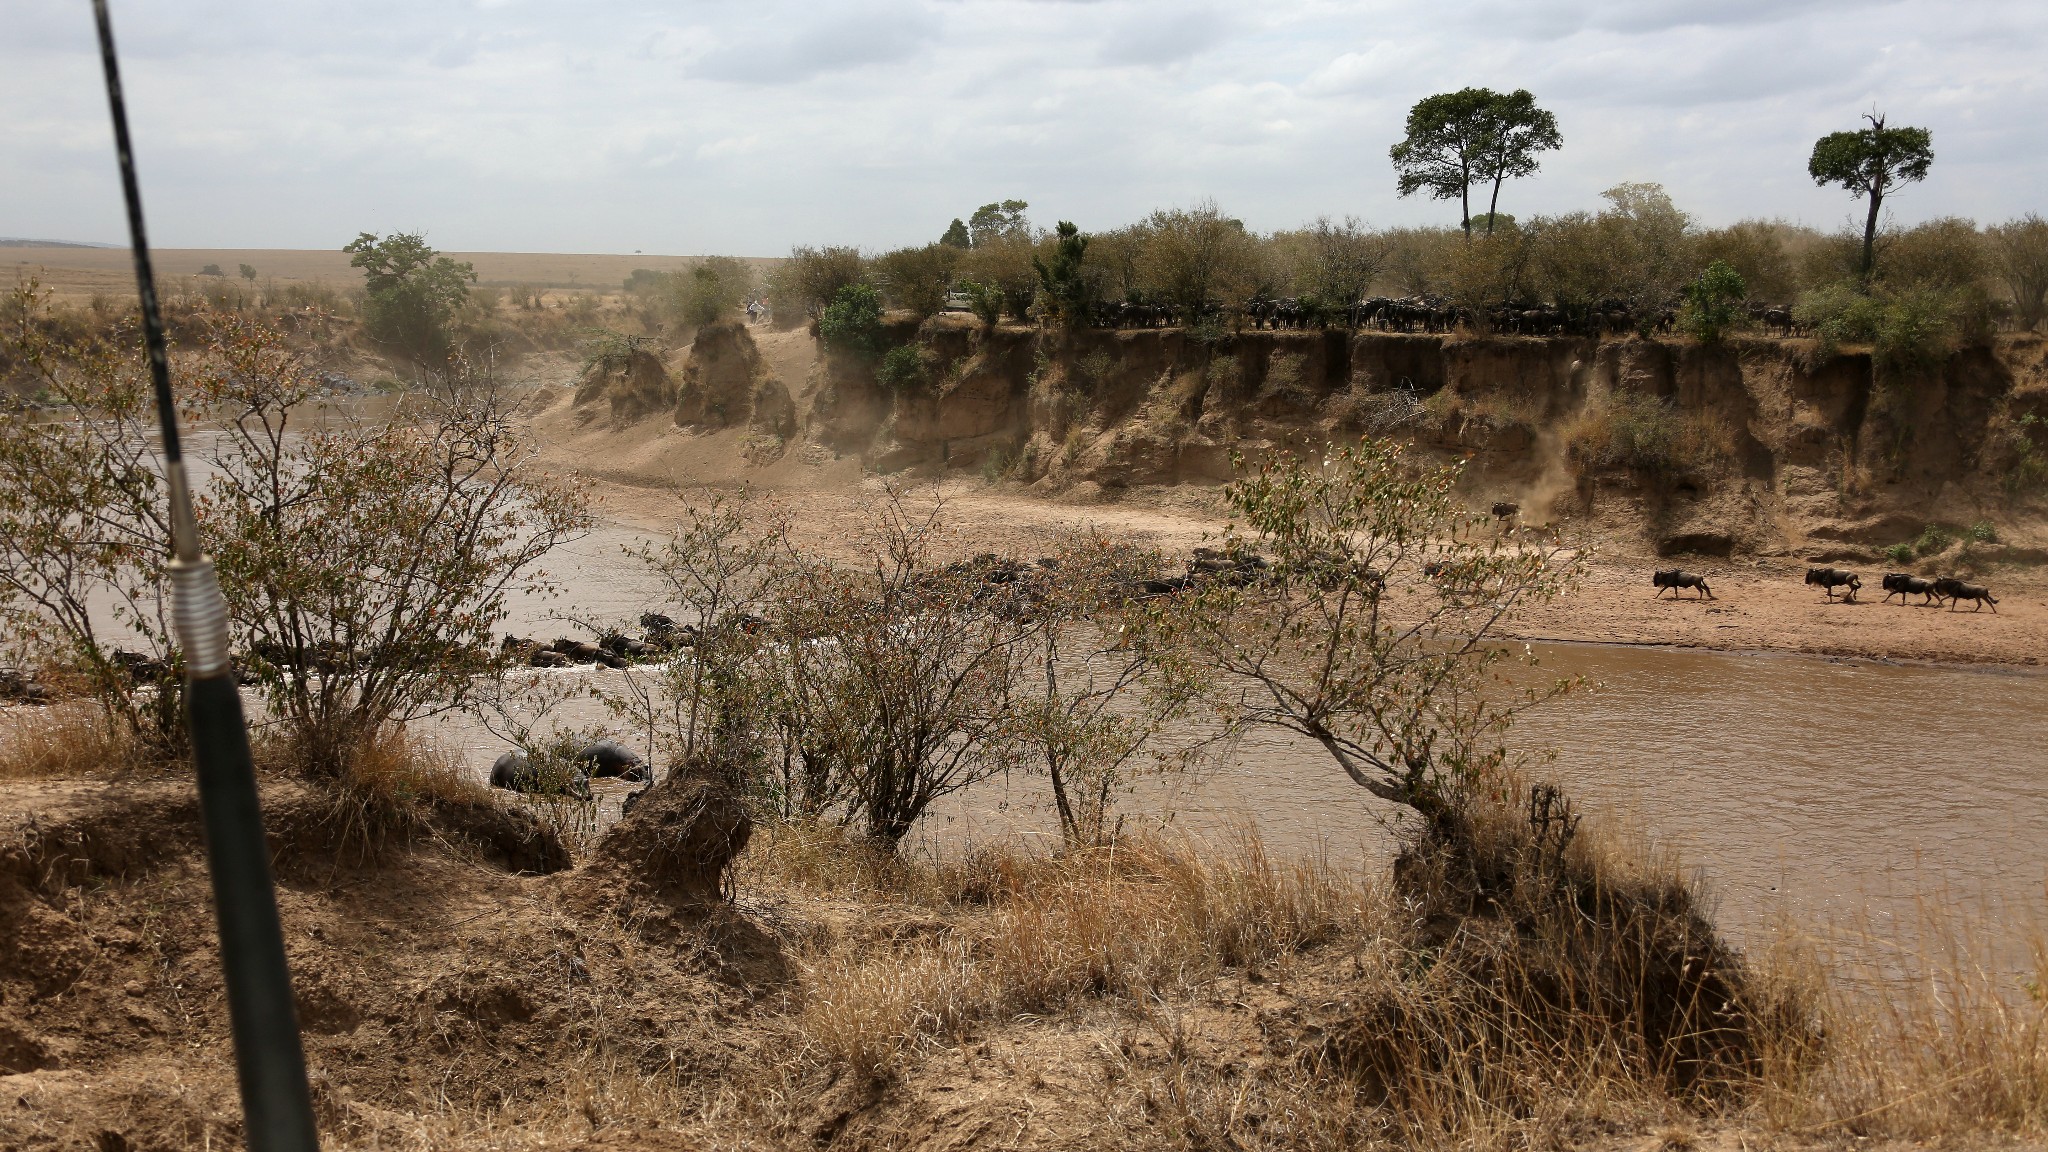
x: 1472, y: 135
x: 1001, y: 221
x: 413, y: 291
x: 1869, y: 162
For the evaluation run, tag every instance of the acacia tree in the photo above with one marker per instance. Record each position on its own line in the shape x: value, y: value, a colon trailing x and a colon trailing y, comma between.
x: 83, y: 530
x: 1869, y: 163
x: 1472, y: 135
x: 1095, y: 691
x: 365, y: 566
x: 1379, y: 625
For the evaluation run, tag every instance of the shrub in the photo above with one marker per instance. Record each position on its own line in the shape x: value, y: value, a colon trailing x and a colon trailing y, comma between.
x: 2019, y: 251
x: 1757, y: 250
x: 853, y: 321
x: 917, y: 279
x: 1901, y: 553
x: 1984, y: 532
x: 1067, y: 289
x: 1713, y: 301
x: 711, y: 291
x: 1933, y: 539
x: 812, y: 278
x: 984, y: 300
x: 1638, y: 432
x: 903, y: 368
x: 2026, y: 468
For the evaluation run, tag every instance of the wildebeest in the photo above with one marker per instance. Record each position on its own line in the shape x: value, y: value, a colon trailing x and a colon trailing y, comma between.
x: 1829, y: 579
x: 1676, y: 578
x: 1506, y: 509
x: 1904, y: 584
x: 602, y: 758
x: 517, y: 772
x: 1978, y: 594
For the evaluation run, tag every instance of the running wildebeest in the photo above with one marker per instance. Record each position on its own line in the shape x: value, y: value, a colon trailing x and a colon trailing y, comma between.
x: 515, y: 771
x: 1506, y: 509
x: 1676, y: 578
x: 1829, y: 579
x: 1978, y: 594
x: 602, y: 758
x: 1904, y: 584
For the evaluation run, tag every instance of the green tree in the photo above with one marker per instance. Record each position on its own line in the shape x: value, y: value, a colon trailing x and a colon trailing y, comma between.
x: 957, y: 235
x: 1869, y: 163
x: 853, y: 321
x: 1066, y: 286
x: 211, y: 270
x: 1472, y: 135
x: 413, y: 292
x: 1712, y: 301
x: 248, y: 273
x: 1001, y: 221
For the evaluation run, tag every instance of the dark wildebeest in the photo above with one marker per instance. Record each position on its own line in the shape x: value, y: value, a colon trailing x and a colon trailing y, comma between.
x: 1829, y: 579
x: 516, y: 772
x: 1978, y: 594
x: 1676, y: 578
x: 1506, y: 509
x: 1904, y: 584
x: 603, y: 758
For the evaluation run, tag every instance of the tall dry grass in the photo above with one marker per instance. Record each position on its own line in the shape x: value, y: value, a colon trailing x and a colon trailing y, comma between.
x: 1144, y: 920
x: 1929, y: 1035
x: 72, y: 739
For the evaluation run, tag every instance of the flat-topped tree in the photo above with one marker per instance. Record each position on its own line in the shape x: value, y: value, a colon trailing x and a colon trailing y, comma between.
x: 1473, y: 135
x: 1870, y: 162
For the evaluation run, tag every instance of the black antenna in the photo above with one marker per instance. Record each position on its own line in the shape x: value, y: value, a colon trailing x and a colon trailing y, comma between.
x: 277, y: 1110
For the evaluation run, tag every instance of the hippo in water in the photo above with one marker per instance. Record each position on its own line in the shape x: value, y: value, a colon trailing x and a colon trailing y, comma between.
x: 609, y: 758
x: 515, y: 771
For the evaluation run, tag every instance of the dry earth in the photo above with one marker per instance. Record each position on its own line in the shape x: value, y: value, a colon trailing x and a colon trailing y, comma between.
x: 643, y: 471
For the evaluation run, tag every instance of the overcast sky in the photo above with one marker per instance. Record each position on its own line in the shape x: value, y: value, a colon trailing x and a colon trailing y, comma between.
x: 746, y: 127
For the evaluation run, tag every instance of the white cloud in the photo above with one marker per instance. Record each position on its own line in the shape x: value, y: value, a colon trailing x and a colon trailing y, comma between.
x: 617, y: 125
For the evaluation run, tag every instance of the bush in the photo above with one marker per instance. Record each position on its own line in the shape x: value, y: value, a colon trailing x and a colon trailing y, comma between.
x: 710, y: 292
x: 1713, y: 301
x: 1638, y: 432
x: 1757, y: 250
x: 903, y: 368
x: 2019, y: 251
x: 853, y: 321
x: 812, y: 278
x: 984, y: 300
x: 917, y: 279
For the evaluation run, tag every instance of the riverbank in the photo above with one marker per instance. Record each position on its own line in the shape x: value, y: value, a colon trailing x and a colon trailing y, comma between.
x: 1759, y: 605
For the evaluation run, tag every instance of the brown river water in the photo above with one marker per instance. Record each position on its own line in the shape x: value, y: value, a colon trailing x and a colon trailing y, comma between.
x: 1805, y: 790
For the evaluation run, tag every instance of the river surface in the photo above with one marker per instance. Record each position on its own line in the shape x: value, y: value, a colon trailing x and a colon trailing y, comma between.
x: 1805, y: 790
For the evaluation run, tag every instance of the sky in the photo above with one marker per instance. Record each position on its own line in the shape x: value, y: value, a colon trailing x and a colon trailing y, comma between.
x: 749, y: 126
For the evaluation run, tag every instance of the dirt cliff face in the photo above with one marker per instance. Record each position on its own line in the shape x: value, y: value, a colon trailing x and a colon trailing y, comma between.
x: 1753, y: 446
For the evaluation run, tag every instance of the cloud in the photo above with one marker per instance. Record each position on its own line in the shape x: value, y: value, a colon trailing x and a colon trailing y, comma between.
x: 700, y: 125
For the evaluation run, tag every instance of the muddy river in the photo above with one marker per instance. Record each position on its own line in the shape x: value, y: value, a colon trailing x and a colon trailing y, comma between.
x: 1803, y: 788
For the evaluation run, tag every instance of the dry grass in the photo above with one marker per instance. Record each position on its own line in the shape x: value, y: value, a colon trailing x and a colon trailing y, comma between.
x: 1028, y: 935
x: 1941, y: 1034
x: 72, y: 739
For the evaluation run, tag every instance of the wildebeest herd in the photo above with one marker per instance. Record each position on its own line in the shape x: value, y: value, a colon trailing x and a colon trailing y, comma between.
x: 1413, y: 314
x: 1900, y: 584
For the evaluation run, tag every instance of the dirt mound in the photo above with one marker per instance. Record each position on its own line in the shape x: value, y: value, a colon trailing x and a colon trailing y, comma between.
x: 721, y: 377
x: 676, y: 845
x: 636, y: 385
x: 1538, y: 944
